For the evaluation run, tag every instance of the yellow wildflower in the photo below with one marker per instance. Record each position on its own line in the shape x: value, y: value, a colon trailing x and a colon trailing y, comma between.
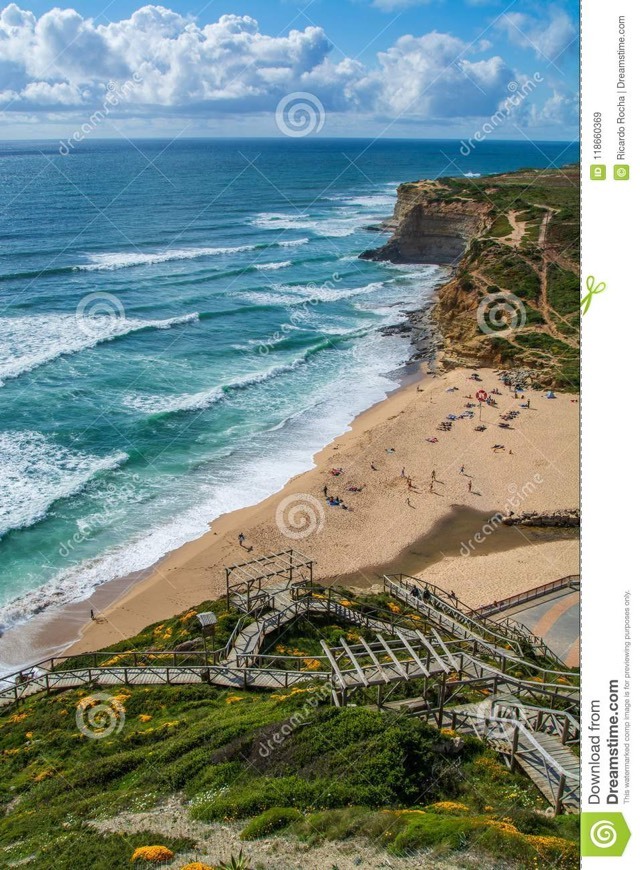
x: 153, y: 854
x: 450, y: 807
x: 311, y: 664
x: 44, y: 774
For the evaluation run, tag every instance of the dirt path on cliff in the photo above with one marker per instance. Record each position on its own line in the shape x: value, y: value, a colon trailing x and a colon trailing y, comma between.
x: 218, y: 841
x: 547, y: 311
x: 542, y: 304
x: 519, y: 229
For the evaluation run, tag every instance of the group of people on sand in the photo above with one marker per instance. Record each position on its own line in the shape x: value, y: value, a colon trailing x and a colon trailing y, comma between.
x: 335, y: 500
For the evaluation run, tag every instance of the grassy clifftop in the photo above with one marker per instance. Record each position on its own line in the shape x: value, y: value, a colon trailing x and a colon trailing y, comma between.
x: 514, y: 238
x: 235, y: 767
x: 530, y: 250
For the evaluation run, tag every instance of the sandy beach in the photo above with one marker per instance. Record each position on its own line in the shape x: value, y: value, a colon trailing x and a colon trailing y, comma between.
x: 393, y: 522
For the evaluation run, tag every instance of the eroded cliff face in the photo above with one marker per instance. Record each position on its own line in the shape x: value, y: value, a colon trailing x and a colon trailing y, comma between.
x: 429, y: 229
x: 513, y: 297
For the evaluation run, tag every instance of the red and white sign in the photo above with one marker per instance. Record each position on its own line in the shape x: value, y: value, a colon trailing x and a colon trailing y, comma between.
x: 481, y: 396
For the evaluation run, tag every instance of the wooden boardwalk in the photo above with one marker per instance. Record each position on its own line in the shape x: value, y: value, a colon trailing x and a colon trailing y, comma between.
x: 454, y: 651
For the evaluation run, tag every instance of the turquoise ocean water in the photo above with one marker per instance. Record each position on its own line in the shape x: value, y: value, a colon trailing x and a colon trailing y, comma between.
x: 182, y: 326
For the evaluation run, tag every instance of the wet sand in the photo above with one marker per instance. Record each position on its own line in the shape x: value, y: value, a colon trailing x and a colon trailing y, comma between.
x: 389, y: 524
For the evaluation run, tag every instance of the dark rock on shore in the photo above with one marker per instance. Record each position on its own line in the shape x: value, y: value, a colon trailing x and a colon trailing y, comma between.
x: 562, y: 519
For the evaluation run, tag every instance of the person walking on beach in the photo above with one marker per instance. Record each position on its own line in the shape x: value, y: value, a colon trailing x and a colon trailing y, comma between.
x: 93, y: 616
x: 528, y: 403
x: 241, y: 539
x: 403, y: 472
x: 433, y: 474
x: 373, y: 468
x: 431, y: 487
x: 462, y: 469
x: 325, y: 490
x: 469, y: 486
x: 409, y: 483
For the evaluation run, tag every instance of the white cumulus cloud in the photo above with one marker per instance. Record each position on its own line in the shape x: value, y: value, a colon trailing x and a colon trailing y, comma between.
x: 548, y: 38
x: 64, y: 62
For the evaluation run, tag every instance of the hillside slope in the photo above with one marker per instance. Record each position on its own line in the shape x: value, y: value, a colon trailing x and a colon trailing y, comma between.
x: 514, y: 299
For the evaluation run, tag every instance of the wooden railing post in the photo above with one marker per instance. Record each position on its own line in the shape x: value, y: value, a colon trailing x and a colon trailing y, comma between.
x: 514, y: 748
x: 561, y: 786
x: 443, y: 691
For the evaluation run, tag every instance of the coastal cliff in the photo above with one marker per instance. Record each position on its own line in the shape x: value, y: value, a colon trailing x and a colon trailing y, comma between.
x: 429, y: 228
x: 514, y: 297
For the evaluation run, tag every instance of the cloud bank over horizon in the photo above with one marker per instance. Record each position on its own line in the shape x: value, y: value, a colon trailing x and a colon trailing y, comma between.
x: 219, y: 76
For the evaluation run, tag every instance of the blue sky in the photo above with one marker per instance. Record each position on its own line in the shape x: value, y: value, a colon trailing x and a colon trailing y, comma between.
x: 419, y: 68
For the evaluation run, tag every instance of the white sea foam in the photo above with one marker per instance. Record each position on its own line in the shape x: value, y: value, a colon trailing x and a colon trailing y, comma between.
x: 35, y: 472
x: 294, y: 243
x: 154, y: 404
x: 150, y: 404
x: 238, y: 483
x: 124, y: 260
x: 329, y: 226
x: 322, y: 293
x: 272, y: 267
x: 31, y: 341
x: 379, y: 202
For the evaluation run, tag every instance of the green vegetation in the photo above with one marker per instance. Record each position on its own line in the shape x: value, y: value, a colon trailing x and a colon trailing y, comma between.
x: 177, y: 632
x: 539, y: 264
x: 270, y: 821
x: 501, y: 227
x: 563, y: 290
x: 283, y: 763
x: 511, y: 271
x: 345, y: 772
